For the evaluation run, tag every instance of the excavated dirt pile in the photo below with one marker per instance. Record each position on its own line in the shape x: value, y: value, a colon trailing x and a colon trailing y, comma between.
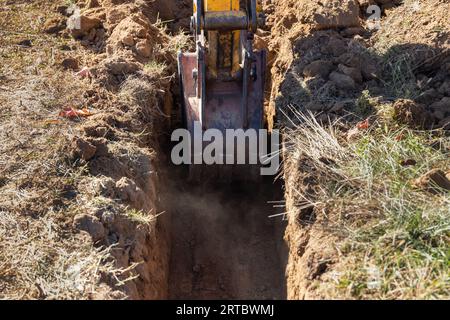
x: 330, y: 60
x: 327, y: 56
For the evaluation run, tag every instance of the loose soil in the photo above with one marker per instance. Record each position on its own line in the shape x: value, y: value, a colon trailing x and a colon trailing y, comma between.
x: 224, y: 245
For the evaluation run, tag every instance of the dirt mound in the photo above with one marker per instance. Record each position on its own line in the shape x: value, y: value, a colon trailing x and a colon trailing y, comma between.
x: 136, y: 65
x: 329, y: 63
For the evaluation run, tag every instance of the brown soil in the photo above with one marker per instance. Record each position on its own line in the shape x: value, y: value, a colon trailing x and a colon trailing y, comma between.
x: 224, y: 245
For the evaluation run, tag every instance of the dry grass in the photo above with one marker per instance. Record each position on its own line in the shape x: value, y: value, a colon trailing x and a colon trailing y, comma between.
x: 38, y: 262
x: 395, y: 238
x: 41, y: 257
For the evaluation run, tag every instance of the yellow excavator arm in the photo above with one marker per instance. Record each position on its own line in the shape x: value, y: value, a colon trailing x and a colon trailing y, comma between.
x: 224, y: 46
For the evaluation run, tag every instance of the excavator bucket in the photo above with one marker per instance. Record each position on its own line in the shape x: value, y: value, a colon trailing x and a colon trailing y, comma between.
x: 222, y: 108
x: 223, y: 81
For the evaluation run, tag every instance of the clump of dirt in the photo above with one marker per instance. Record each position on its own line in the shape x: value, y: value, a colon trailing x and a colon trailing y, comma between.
x: 413, y: 114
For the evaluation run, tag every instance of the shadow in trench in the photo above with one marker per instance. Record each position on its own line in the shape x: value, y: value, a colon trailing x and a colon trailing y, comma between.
x: 224, y: 245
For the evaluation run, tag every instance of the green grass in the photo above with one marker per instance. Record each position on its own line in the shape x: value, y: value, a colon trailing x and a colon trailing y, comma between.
x: 399, y: 75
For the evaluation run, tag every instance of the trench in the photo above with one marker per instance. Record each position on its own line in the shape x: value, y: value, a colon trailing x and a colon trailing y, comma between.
x: 224, y: 245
